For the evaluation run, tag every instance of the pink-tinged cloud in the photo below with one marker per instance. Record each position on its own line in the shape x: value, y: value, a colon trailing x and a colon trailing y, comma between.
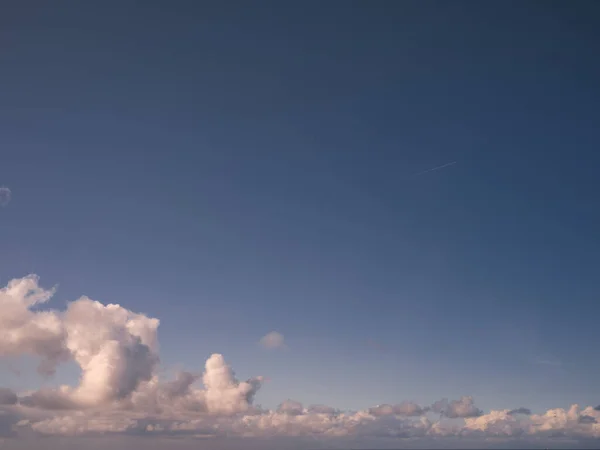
x: 121, y: 393
x: 273, y: 340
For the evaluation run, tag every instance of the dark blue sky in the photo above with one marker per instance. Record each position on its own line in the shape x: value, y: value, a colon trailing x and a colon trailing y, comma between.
x: 240, y: 167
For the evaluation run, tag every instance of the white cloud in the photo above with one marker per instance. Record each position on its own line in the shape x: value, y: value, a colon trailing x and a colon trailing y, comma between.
x: 23, y: 331
x: 115, y: 348
x: 120, y: 393
x: 273, y: 340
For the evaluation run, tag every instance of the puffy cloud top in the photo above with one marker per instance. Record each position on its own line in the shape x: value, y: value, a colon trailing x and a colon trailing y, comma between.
x: 462, y: 408
x: 402, y: 409
x: 120, y: 390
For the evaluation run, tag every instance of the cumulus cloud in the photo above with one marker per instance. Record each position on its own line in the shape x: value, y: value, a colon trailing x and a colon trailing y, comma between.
x: 273, y: 340
x: 23, y: 331
x: 402, y: 409
x: 180, y: 386
x: 290, y: 407
x: 224, y: 393
x: 121, y: 393
x: 322, y: 409
x: 587, y: 419
x: 525, y: 411
x: 5, y: 196
x: 462, y: 408
x: 115, y: 348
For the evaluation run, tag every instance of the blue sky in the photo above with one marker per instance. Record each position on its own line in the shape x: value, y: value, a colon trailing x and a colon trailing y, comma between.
x: 238, y: 168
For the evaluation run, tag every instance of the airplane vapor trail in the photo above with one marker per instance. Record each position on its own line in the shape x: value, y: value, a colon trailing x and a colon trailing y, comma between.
x: 434, y: 168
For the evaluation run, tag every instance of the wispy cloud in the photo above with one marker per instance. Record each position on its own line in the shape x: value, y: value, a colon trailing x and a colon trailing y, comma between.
x: 5, y: 195
x: 547, y: 362
x: 433, y: 169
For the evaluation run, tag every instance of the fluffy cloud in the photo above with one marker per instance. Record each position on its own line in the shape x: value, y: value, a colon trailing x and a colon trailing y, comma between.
x: 120, y: 392
x: 23, y: 331
x: 402, y: 409
x: 290, y: 407
x: 224, y: 394
x: 115, y: 348
x: 273, y: 340
x: 462, y: 408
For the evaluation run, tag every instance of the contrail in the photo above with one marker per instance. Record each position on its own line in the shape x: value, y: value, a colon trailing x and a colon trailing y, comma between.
x: 434, y: 168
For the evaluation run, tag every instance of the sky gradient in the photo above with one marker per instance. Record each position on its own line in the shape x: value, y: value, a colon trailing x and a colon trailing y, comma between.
x: 240, y: 168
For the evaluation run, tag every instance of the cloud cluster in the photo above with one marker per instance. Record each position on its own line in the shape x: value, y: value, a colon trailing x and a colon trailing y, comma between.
x: 121, y: 393
x: 115, y: 348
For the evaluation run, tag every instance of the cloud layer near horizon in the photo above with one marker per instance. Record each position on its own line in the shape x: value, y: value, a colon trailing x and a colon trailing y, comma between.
x: 121, y: 393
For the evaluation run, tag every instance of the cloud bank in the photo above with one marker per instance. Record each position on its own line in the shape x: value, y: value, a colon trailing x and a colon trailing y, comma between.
x: 120, y: 393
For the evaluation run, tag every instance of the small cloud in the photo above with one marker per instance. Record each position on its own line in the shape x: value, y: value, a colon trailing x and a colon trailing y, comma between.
x: 463, y: 408
x: 547, y: 362
x: 524, y: 411
x: 5, y: 195
x: 273, y: 340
